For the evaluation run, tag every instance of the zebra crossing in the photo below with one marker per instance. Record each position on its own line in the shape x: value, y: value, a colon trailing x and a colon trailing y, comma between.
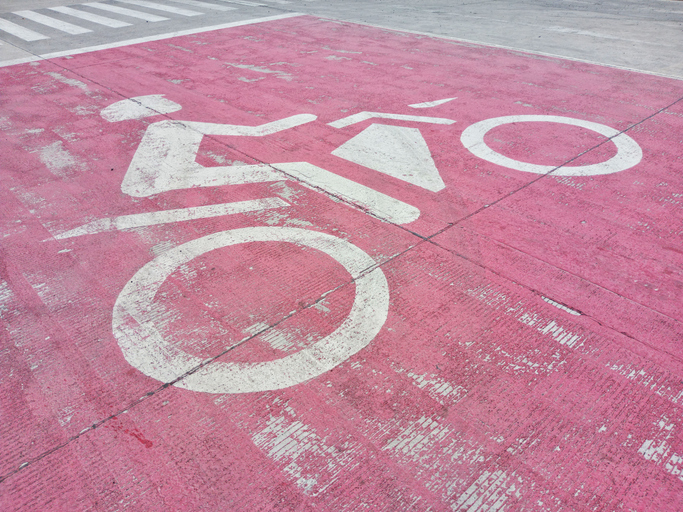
x: 87, y: 17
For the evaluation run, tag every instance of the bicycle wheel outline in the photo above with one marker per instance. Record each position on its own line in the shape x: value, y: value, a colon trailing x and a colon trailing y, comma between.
x: 629, y: 152
x: 146, y: 350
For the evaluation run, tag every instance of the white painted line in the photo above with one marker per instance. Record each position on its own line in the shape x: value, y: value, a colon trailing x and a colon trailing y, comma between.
x: 281, y: 2
x: 126, y: 12
x: 51, y: 22
x: 20, y: 32
x: 158, y: 37
x: 428, y: 104
x: 204, y: 5
x: 167, y: 216
x: 364, y: 116
x: 243, y: 2
x: 561, y: 306
x: 160, y: 7
x: 88, y: 16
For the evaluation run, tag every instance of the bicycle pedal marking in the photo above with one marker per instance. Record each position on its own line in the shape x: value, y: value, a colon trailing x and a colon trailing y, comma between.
x: 147, y: 350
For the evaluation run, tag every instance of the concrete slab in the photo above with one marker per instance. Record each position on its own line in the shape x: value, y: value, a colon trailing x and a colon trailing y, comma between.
x: 206, y: 305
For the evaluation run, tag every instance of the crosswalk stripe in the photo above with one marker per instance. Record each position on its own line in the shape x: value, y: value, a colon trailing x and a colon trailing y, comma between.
x: 20, y: 32
x: 126, y: 12
x: 160, y: 7
x: 195, y: 3
x: 88, y: 16
x: 243, y: 2
x: 52, y: 22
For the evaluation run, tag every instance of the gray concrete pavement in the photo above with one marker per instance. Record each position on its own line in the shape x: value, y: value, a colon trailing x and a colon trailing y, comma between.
x: 642, y: 35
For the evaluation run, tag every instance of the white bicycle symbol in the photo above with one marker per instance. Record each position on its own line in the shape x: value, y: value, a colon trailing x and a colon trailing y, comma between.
x: 165, y: 160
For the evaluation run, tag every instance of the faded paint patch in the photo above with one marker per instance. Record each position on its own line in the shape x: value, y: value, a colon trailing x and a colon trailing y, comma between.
x: 489, y: 493
x: 658, y: 449
x: 59, y: 161
x: 300, y: 451
x: 261, y: 69
x: 70, y: 81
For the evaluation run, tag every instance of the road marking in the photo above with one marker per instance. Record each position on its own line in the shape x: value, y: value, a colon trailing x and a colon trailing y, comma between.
x: 166, y: 157
x: 166, y: 160
x: 138, y: 220
x: 397, y: 151
x: 88, y: 16
x: 139, y: 107
x: 195, y: 3
x: 146, y: 39
x: 20, y: 32
x: 628, y: 154
x: 561, y: 306
x: 144, y: 347
x: 52, y: 22
x: 243, y: 2
x: 428, y: 104
x: 160, y: 7
x: 364, y: 116
x: 380, y: 205
x: 126, y: 12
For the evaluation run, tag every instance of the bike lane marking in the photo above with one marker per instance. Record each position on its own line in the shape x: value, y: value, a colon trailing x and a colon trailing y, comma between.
x: 296, y: 443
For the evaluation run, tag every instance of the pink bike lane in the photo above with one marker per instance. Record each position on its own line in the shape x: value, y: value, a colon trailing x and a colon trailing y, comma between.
x: 312, y: 265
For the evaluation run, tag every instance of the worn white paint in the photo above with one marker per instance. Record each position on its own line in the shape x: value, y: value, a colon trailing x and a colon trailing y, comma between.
x: 364, y: 116
x: 167, y: 216
x: 126, y: 12
x: 561, y: 306
x: 489, y: 493
x: 528, y: 316
x: 304, y: 455
x: 88, y: 16
x: 69, y: 81
x: 628, y: 154
x: 429, y: 104
x: 58, y: 160
x: 139, y: 107
x: 397, y: 151
x: 160, y: 7
x: 145, y: 349
x: 419, y: 437
x: 381, y: 205
x: 63, y: 26
x: 658, y: 449
x: 439, y: 389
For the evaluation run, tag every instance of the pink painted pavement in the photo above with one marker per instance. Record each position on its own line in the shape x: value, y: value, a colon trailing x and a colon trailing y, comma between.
x: 516, y: 344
